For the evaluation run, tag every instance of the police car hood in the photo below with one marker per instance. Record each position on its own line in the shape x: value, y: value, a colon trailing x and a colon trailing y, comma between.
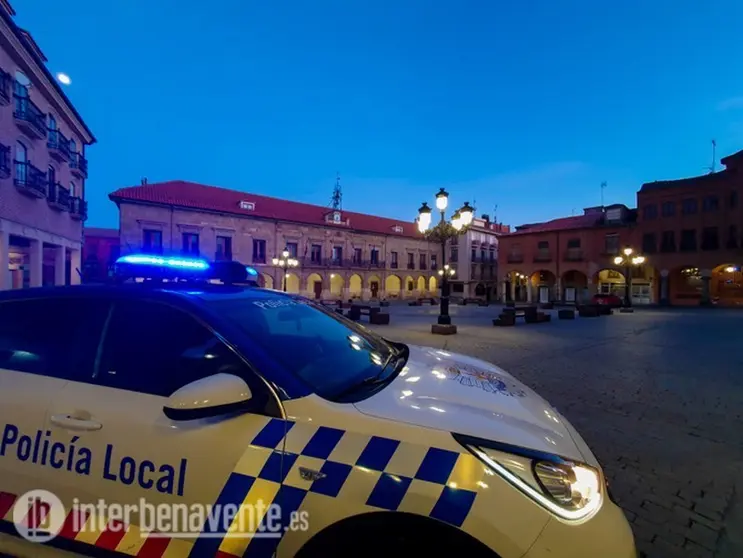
x: 456, y: 393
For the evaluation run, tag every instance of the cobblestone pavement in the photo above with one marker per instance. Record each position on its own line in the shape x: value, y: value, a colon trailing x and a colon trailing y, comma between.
x: 658, y: 395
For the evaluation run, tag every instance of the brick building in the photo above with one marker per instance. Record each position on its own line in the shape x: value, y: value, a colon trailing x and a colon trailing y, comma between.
x: 341, y: 253
x: 42, y: 167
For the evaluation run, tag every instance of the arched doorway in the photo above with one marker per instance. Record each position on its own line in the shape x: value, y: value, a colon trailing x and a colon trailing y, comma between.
x: 409, y: 286
x: 609, y: 281
x: 314, y: 286
x: 374, y: 283
x: 432, y: 284
x: 543, y: 281
x: 336, y: 285
x: 392, y: 286
x: 267, y: 281
x: 421, y: 285
x: 516, y: 287
x: 355, y: 286
x: 685, y: 286
x: 480, y: 290
x: 292, y: 283
x: 574, y: 286
x: 726, y: 285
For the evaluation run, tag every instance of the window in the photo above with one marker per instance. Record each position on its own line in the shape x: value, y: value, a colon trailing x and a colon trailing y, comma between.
x: 73, y: 146
x: 650, y: 212
x: 612, y: 244
x: 157, y: 363
x: 411, y: 260
x: 393, y: 260
x: 292, y: 248
x: 668, y: 241
x: 454, y: 254
x: 421, y: 261
x: 259, y: 251
x: 648, y: 243
x: 152, y: 241
x: 688, y: 240
x: 52, y: 127
x: 337, y: 254
x: 668, y: 209
x: 224, y: 248
x: 492, y: 254
x: 733, y: 199
x: 374, y: 256
x: 72, y: 189
x: 732, y: 241
x: 710, y: 203
x: 190, y: 244
x: 319, y: 342
x: 573, y: 243
x: 21, y: 157
x: 51, y: 337
x: 689, y: 206
x: 249, y: 206
x: 473, y: 255
x: 316, y: 253
x: 434, y: 261
x: 543, y: 245
x: 710, y: 238
x: 357, y: 255
x: 51, y: 174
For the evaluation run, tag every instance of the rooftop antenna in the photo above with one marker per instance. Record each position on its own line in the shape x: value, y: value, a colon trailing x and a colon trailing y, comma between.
x: 603, y: 187
x: 712, y: 168
x: 495, y: 213
x: 337, y: 199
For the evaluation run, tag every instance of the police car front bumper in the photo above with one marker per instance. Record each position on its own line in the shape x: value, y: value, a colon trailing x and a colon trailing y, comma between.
x: 607, y: 534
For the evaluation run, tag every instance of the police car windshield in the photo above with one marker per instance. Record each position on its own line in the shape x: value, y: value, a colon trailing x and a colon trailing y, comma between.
x: 327, y: 352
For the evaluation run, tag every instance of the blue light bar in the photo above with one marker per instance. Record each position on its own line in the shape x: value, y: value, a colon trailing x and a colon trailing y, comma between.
x: 251, y: 271
x: 165, y: 262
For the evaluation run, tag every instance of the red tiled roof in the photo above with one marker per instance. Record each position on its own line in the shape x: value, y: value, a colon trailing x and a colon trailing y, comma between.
x: 221, y: 200
x: 106, y: 233
x: 562, y: 224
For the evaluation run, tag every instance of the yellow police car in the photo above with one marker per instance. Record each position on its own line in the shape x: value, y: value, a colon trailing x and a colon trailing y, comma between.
x: 274, y: 428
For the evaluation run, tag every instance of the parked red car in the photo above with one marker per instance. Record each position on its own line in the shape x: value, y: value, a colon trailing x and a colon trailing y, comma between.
x: 611, y: 300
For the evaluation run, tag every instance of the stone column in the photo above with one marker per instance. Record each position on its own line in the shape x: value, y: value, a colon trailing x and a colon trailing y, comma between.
x: 503, y: 292
x: 528, y: 291
x: 664, y: 295
x: 36, y: 263
x: 4, y: 261
x: 60, y: 264
x: 75, y: 265
x: 558, y: 290
x: 513, y: 290
x: 706, y: 277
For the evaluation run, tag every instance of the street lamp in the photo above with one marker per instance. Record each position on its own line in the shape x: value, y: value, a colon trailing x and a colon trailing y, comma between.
x: 628, y: 260
x: 442, y: 232
x: 285, y: 262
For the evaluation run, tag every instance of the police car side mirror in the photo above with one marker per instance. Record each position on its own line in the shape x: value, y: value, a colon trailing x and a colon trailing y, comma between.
x: 212, y: 396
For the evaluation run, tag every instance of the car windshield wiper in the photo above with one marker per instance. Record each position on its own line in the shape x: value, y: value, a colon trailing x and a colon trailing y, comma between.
x: 381, y: 378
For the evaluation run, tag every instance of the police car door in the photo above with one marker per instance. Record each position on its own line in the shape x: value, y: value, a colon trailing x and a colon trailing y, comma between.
x: 142, y: 458
x: 44, y: 343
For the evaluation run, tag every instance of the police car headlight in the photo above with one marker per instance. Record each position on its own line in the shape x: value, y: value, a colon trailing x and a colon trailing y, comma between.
x: 573, y: 491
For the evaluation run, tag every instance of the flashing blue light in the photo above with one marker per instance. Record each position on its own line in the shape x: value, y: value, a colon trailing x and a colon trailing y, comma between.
x: 175, y: 263
x: 251, y: 271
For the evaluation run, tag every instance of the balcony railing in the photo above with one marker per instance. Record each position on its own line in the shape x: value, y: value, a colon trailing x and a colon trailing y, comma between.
x: 4, y: 161
x: 59, y: 146
x: 79, y: 208
x: 79, y: 165
x: 393, y: 265
x: 411, y: 266
x: 542, y: 257
x: 58, y: 196
x: 515, y: 258
x: 4, y: 87
x: 574, y: 255
x: 29, y: 180
x: 422, y: 266
x: 29, y: 117
x: 434, y: 266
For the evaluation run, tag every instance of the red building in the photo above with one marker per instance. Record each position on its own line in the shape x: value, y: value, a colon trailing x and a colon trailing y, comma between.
x: 688, y: 230
x: 100, y: 250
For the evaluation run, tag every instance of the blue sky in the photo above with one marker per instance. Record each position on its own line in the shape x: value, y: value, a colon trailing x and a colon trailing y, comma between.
x: 527, y: 105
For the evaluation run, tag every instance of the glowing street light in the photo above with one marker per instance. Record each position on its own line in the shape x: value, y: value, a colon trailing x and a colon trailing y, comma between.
x: 64, y: 79
x: 285, y: 263
x: 628, y: 260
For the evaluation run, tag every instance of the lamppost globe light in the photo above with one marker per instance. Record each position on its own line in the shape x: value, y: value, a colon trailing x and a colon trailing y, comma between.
x: 275, y: 261
x: 442, y: 199
x: 424, y: 217
x: 285, y: 254
x: 441, y: 271
x: 618, y: 260
x: 627, y: 251
x: 730, y: 269
x: 456, y: 221
x: 466, y: 213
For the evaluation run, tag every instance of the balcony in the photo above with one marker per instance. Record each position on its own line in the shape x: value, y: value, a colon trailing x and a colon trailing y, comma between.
x: 78, y: 209
x: 574, y: 255
x: 59, y: 146
x: 29, y: 118
x: 29, y: 180
x: 411, y: 266
x: 542, y: 257
x: 4, y: 161
x: 434, y: 266
x: 58, y: 197
x: 515, y: 258
x: 393, y: 265
x: 4, y: 87
x: 79, y: 165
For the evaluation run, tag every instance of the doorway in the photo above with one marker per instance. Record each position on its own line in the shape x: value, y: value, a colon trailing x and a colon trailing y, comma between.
x: 374, y: 286
x: 544, y: 295
x: 317, y: 286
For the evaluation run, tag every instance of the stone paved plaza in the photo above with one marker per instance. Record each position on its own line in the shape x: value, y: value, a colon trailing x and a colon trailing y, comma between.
x: 657, y: 394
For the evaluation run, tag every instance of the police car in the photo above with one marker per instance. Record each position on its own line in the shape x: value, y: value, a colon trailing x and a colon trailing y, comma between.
x: 171, y: 389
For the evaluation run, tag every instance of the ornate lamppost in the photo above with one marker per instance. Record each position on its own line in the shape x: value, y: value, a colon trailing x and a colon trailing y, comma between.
x: 441, y: 233
x: 628, y: 260
x: 285, y: 262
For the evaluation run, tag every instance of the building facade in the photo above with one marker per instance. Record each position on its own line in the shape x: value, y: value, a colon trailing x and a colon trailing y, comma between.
x: 42, y: 167
x: 100, y: 251
x: 341, y: 254
x: 572, y: 258
x: 692, y: 230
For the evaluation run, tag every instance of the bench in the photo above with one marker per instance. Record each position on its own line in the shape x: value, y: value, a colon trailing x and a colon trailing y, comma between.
x: 566, y: 314
x: 373, y: 312
x: 588, y: 311
x: 379, y: 318
x: 505, y: 319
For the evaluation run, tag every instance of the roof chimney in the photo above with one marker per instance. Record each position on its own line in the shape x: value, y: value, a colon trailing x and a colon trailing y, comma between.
x: 144, y: 181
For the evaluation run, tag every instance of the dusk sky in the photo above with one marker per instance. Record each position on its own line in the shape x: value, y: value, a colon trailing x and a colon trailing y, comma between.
x: 528, y: 105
